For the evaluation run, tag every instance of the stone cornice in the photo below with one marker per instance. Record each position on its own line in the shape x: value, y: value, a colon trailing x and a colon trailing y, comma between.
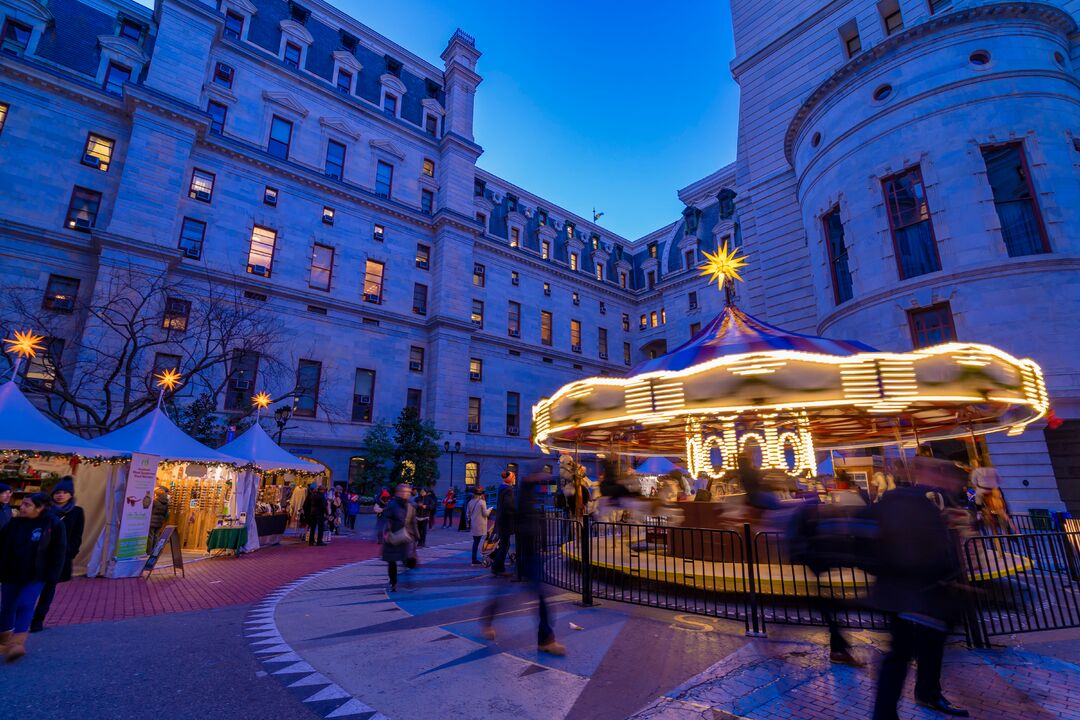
x: 285, y: 100
x: 340, y: 125
x: 31, y: 9
x: 483, y: 203
x: 393, y: 83
x: 39, y: 75
x: 296, y: 31
x: 219, y: 91
x: 387, y: 147
x: 556, y: 271
x: 348, y: 61
x: 122, y: 48
x: 244, y: 6
x: 432, y: 105
x: 1040, y: 12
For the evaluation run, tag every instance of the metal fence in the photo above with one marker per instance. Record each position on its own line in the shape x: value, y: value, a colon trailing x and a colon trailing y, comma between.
x: 1022, y: 582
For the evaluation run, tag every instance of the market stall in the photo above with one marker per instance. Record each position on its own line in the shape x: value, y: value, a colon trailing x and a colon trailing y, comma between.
x: 267, y: 478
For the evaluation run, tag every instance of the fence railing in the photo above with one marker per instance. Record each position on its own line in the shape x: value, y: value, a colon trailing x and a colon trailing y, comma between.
x: 1022, y: 582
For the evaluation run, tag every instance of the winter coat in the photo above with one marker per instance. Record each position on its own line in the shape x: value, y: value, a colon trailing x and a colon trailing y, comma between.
x: 399, y: 514
x: 506, y: 512
x: 315, y: 507
x: 915, y: 559
x: 33, y: 549
x: 478, y: 513
x: 74, y: 521
x: 5, y: 515
x: 824, y: 537
x: 159, y: 513
x: 425, y: 507
x: 450, y: 501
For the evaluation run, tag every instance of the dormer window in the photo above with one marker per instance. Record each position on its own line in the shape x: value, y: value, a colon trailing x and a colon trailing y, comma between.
x: 292, y: 55
x: 349, y: 41
x: 595, y: 242
x: 569, y: 231
x: 115, y: 77
x: 541, y: 216
x: 223, y: 74
x: 298, y: 13
x: 131, y: 30
x: 16, y: 38
x: 431, y: 124
x: 344, y: 82
x: 479, y: 187
x: 234, y: 25
x: 389, y: 103
x: 652, y: 250
x: 432, y: 89
x: 511, y: 203
x: 393, y: 66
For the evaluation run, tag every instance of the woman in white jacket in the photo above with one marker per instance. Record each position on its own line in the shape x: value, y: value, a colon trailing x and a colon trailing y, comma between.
x: 478, y: 513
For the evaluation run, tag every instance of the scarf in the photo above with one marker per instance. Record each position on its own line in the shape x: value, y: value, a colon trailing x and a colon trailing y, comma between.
x: 64, y: 509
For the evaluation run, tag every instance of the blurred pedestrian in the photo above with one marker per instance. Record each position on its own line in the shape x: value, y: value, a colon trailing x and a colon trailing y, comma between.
x: 528, y: 528
x: 505, y: 522
x: 159, y: 515
x: 425, y: 513
x: 449, y: 503
x: 352, y: 509
x: 33, y: 552
x: 918, y: 572
x: 336, y: 509
x: 399, y: 538
x: 74, y: 522
x: 5, y: 504
x: 315, y: 511
x: 478, y: 513
x: 379, y: 509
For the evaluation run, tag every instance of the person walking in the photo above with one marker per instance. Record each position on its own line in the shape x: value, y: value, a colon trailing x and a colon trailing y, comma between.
x: 528, y: 527
x: 449, y: 503
x: 352, y: 509
x: 315, y: 511
x: 478, y: 513
x: 918, y: 573
x: 159, y: 514
x: 380, y: 507
x: 399, y: 539
x: 505, y: 521
x: 74, y: 522
x: 335, y: 512
x: 33, y: 552
x: 425, y: 514
x: 5, y: 504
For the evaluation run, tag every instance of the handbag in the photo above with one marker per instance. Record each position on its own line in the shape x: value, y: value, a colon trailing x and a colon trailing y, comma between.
x: 399, y: 536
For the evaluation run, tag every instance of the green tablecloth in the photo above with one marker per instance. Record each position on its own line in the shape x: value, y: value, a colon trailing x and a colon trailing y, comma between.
x: 224, y: 538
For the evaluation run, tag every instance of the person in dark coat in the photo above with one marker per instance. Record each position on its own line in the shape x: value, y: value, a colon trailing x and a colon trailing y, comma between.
x: 505, y: 521
x: 159, y: 514
x: 918, y: 571
x: 315, y: 512
x: 74, y: 520
x: 399, y: 539
x: 5, y: 504
x: 33, y: 552
x: 425, y: 513
x: 449, y: 503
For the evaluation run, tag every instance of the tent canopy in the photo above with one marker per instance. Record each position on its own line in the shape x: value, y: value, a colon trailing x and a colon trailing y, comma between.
x: 156, y: 434
x: 255, y: 446
x: 656, y: 466
x: 24, y: 427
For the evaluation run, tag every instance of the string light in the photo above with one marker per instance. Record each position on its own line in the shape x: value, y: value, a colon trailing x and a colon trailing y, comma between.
x: 26, y: 344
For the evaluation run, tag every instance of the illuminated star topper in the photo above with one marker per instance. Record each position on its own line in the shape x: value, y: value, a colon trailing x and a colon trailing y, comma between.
x: 261, y: 400
x: 26, y: 344
x: 723, y: 266
x: 168, y: 379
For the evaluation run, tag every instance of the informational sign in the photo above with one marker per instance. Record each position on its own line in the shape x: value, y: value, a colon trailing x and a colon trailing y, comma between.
x: 168, y: 535
x: 135, y: 508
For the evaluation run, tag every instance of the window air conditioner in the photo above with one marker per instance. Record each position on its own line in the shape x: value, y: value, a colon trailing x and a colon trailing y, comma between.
x: 258, y: 270
x: 603, y: 356
x: 328, y: 219
x: 576, y: 348
x: 422, y: 264
x: 82, y: 223
x: 371, y: 298
x: 511, y: 430
x: 244, y: 385
x: 477, y: 322
x: 201, y: 195
x: 192, y: 252
x: 364, y: 399
x: 416, y: 366
x: 378, y: 237
x: 270, y: 199
x: 478, y: 269
x: 420, y: 309
x: 514, y: 281
x: 514, y: 333
x: 693, y: 306
x: 474, y: 427
x: 474, y: 376
x: 92, y: 161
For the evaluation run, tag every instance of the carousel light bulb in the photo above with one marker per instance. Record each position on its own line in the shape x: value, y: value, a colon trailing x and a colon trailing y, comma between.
x: 26, y: 344
x: 723, y: 265
x: 168, y: 379
x: 261, y: 400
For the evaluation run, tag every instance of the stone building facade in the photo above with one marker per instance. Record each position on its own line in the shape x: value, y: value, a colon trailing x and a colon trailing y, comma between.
x: 906, y: 171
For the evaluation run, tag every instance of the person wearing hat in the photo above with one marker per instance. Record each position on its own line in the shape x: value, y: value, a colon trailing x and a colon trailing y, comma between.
x: 74, y: 520
x: 5, y: 504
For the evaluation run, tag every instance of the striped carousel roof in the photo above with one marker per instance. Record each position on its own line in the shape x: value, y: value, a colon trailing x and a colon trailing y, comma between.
x: 733, y: 332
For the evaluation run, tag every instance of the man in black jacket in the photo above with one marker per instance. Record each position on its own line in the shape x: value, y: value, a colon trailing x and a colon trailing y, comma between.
x: 315, y: 511
x: 505, y: 522
x: 74, y: 521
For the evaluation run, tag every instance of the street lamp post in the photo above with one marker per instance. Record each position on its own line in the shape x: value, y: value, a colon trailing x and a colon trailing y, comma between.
x: 451, y: 451
x: 281, y: 417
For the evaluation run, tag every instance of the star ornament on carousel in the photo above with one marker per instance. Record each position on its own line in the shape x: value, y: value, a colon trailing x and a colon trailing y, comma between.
x: 26, y: 344
x: 723, y: 266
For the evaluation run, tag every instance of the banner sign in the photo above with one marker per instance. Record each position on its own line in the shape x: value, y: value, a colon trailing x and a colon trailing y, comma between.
x: 136, y: 504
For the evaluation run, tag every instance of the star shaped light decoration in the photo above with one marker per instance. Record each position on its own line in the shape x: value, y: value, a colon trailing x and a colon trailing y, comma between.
x: 261, y: 400
x: 168, y: 379
x: 723, y: 266
x: 26, y: 344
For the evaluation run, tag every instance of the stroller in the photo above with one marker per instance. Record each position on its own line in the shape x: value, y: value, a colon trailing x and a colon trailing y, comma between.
x: 490, y: 545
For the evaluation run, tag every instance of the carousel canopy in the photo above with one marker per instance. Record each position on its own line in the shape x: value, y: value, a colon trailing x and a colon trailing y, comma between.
x: 255, y: 446
x: 156, y: 434
x: 656, y: 466
x: 24, y: 428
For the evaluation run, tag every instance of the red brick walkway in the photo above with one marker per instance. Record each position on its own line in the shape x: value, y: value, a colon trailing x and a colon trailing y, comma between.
x: 211, y: 583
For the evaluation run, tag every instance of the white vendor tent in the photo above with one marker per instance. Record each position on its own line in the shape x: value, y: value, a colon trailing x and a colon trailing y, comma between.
x: 258, y: 453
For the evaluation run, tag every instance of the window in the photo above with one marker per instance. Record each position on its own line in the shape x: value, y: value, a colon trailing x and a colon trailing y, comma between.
x: 515, y: 279
x: 419, y: 299
x: 573, y: 261
x: 98, y: 152
x: 692, y: 298
x: 384, y: 179
x: 545, y: 327
x: 569, y: 231
x: 16, y: 38
x: 373, y: 281
x: 695, y: 328
x: 60, y: 294
x: 234, y: 25
x: 40, y: 371
x: 292, y: 55
x: 513, y: 320
x: 479, y: 187
x: 413, y: 399
x: 890, y: 16
x: 416, y: 359
x: 477, y: 316
x: 603, y: 308
x: 308, y: 373
x: 202, y: 185
x: 474, y: 414
x: 545, y: 250
x: 322, y: 267
x: 429, y: 168
x: 849, y: 35
x: 644, y: 322
x: 363, y: 399
x: 626, y: 353
x: 513, y: 413
x: 431, y: 125
x: 547, y: 289
x: 378, y: 233
x: 280, y: 138
x: 4, y: 113
x: 937, y: 6
x: 389, y: 103
x: 478, y: 275
x: 576, y: 298
x: 1014, y: 199
x: 838, y: 256
x: 344, y: 81
x: 541, y: 217
x: 261, y: 251
x: 176, y: 315
x: 652, y: 250
x: 476, y: 369
x: 131, y: 30
x: 427, y: 202
x: 423, y: 256
x: 515, y: 237
x: 853, y: 45
x: 625, y: 322
x: 511, y: 203
x: 575, y: 335
x: 651, y: 279
x: 931, y: 325
x: 600, y: 272
x: 115, y: 77
x: 335, y: 159
x: 163, y: 362
x: 83, y: 209
x: 328, y: 215
x: 622, y: 280
x: 270, y: 196
x: 223, y: 74
x: 688, y: 258
x: 217, y: 112
x: 909, y: 220
x: 192, y: 233
x: 482, y: 219
x: 243, y: 369
x: 601, y: 341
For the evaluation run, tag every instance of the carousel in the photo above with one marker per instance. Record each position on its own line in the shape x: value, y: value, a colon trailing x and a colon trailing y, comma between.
x: 743, y: 387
